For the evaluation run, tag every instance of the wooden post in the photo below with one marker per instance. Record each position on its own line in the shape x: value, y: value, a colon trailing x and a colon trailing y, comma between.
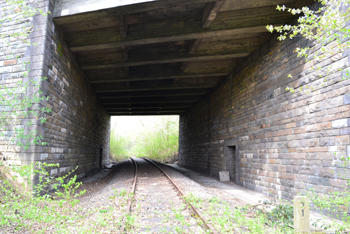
x: 301, y: 214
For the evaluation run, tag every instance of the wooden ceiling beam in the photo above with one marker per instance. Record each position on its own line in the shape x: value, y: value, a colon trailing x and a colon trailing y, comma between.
x: 157, y: 105
x: 154, y: 93
x: 193, y: 46
x: 162, y: 59
x: 123, y: 26
x: 146, y: 113
x: 77, y: 13
x: 123, y: 30
x: 151, y: 100
x: 210, y: 12
x: 178, y: 29
x: 147, y: 109
x: 156, y: 77
x: 104, y: 89
x: 189, y: 36
x: 191, y: 50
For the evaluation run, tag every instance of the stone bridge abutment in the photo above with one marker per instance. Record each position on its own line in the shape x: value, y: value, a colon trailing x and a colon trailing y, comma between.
x: 212, y: 63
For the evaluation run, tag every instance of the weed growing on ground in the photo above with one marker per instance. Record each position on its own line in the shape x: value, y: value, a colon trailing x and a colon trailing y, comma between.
x: 26, y: 206
x: 227, y: 218
x: 336, y: 203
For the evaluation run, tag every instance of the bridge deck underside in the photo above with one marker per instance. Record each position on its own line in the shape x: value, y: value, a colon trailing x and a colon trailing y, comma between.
x: 161, y: 57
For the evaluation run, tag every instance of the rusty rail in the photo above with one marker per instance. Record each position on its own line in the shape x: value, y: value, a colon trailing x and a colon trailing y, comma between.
x: 132, y: 192
x: 199, y: 214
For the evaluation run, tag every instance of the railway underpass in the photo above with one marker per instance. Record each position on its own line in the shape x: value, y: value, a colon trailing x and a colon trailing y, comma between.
x: 215, y: 65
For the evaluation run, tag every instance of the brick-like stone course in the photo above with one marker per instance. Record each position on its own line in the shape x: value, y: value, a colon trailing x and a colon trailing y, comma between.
x: 288, y: 142
x: 78, y: 126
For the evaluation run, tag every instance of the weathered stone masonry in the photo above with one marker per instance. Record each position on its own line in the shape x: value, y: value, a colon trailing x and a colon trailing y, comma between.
x: 283, y: 143
x: 154, y: 58
x: 80, y: 126
x: 78, y: 131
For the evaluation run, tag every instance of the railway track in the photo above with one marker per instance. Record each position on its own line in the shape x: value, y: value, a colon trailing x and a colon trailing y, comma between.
x: 158, y: 204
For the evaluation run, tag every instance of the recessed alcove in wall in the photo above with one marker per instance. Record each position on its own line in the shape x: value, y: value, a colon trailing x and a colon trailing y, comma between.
x: 231, y: 159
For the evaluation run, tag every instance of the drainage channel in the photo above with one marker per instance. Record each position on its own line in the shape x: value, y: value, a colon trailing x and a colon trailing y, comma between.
x: 158, y: 205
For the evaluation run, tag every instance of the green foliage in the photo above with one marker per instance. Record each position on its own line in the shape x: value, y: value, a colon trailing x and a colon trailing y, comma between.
x: 24, y: 206
x: 325, y: 25
x: 20, y: 108
x: 337, y: 203
x: 158, y: 140
x: 19, y: 11
x: 281, y: 215
x: 17, y: 113
x: 227, y: 218
x: 119, y: 145
x: 23, y: 209
x: 328, y: 27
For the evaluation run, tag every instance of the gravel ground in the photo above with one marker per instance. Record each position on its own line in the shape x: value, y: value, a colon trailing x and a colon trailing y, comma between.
x: 102, y: 208
x: 158, y: 208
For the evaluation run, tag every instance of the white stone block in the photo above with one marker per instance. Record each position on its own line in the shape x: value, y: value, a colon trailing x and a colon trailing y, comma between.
x: 63, y: 169
x: 7, y: 69
x: 340, y: 123
x: 66, y: 82
x: 44, y: 156
x: 53, y: 171
x: 224, y: 176
x: 17, y: 68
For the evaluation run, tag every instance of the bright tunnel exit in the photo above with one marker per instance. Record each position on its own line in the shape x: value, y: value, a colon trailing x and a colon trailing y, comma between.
x: 155, y: 137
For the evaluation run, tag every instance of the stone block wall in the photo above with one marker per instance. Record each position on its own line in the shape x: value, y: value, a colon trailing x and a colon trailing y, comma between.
x: 79, y: 127
x: 14, y: 54
x: 271, y: 140
x: 77, y: 131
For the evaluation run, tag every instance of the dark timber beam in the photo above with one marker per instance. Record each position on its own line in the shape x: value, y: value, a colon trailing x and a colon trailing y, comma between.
x: 163, y: 60
x: 210, y: 12
x: 123, y: 26
x: 178, y: 29
x: 66, y: 12
x: 154, y: 93
x: 148, y: 109
x: 161, y: 39
x: 123, y: 30
x: 149, y: 106
x: 151, y: 100
x: 191, y: 50
x: 148, y: 113
x: 107, y: 89
x: 141, y: 78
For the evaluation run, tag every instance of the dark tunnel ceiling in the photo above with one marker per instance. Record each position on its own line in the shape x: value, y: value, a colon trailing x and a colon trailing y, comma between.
x: 162, y: 59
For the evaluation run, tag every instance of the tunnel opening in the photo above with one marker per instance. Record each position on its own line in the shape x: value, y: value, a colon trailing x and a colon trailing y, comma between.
x: 155, y: 137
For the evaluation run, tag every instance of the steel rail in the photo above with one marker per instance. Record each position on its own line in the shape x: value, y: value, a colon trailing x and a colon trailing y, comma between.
x: 199, y: 214
x: 132, y: 192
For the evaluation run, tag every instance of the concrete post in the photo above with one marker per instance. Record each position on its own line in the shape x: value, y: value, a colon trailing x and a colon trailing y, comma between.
x: 301, y: 214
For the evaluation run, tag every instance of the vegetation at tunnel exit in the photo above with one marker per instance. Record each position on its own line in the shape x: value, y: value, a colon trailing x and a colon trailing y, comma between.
x: 155, y: 137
